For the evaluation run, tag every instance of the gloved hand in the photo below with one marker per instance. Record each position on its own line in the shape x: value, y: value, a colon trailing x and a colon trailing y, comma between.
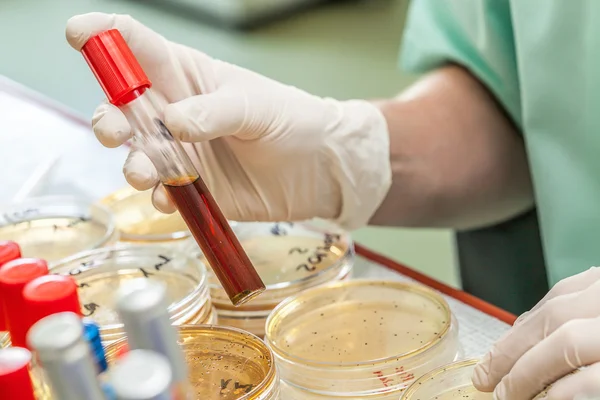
x: 560, y: 334
x: 267, y: 151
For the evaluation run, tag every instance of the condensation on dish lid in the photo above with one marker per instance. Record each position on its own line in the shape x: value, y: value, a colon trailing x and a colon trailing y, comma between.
x: 138, y: 220
x: 100, y: 273
x: 449, y: 382
x: 224, y: 363
x: 56, y: 227
x: 360, y: 338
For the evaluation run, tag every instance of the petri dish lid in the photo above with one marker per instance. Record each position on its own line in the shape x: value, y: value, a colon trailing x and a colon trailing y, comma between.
x: 289, y: 257
x: 224, y: 363
x: 450, y: 382
x: 358, y: 322
x: 138, y: 220
x: 100, y: 273
x: 55, y: 227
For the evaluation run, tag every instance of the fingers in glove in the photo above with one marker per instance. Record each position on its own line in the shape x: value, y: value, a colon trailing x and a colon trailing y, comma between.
x: 110, y: 126
x: 584, y: 385
x: 206, y: 117
x: 161, y: 200
x: 540, y: 324
x: 572, y: 284
x: 573, y: 345
x: 139, y: 171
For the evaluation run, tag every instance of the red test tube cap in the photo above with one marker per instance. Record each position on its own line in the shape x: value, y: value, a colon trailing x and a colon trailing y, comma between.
x: 14, y: 275
x: 115, y: 67
x: 15, y: 381
x: 9, y: 251
x: 49, y: 295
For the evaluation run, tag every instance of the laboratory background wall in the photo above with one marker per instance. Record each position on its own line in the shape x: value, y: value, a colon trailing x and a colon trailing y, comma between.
x: 347, y: 49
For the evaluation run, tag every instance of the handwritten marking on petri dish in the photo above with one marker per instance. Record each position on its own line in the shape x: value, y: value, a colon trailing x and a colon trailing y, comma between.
x: 279, y: 230
x: 91, y: 308
x: 237, y: 385
x: 145, y: 273
x: 320, y: 253
x: 22, y: 214
x: 165, y: 261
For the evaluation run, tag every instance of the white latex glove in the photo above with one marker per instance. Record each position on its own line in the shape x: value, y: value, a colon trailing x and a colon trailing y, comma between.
x: 560, y: 334
x: 267, y: 151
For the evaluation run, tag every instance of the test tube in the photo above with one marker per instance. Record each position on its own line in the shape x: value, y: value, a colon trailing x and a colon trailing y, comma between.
x: 14, y: 275
x: 127, y: 87
x: 9, y: 251
x: 66, y: 357
x: 142, y: 306
x: 141, y: 375
x: 15, y: 381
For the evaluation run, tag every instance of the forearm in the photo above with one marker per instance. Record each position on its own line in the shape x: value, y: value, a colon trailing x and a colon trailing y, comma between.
x: 457, y: 160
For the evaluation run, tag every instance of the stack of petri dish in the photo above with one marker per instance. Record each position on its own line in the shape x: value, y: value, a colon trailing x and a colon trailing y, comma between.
x: 449, y: 382
x: 139, y: 222
x: 224, y: 363
x: 360, y: 339
x: 100, y: 273
x: 289, y: 257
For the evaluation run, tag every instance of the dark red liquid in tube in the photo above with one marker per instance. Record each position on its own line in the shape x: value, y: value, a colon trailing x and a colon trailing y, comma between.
x: 218, y: 243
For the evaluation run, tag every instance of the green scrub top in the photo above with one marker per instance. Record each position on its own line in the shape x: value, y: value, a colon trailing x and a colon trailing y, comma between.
x: 541, y: 59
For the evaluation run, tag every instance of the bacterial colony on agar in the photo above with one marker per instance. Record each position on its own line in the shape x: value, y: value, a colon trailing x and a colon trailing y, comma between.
x: 99, y: 275
x: 225, y: 364
x: 360, y: 338
x: 53, y: 228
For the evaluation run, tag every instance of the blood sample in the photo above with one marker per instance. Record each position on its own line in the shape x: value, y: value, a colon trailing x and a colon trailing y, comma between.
x: 14, y: 275
x: 127, y: 87
x: 9, y: 251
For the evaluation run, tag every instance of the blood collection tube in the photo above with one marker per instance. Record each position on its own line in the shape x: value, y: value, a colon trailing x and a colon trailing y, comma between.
x: 14, y: 275
x: 9, y: 251
x: 66, y: 358
x: 142, y: 306
x: 141, y: 375
x: 15, y: 381
x: 127, y: 86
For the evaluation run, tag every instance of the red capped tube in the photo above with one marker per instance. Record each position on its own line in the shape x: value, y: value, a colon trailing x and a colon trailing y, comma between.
x: 50, y: 294
x: 14, y: 275
x: 15, y: 381
x: 127, y: 86
x: 9, y: 251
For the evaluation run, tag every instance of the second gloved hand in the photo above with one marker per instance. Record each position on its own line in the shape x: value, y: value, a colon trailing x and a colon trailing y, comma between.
x: 267, y: 151
x: 554, y: 339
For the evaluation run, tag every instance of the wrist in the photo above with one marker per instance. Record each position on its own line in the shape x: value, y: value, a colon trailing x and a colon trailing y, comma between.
x: 359, y: 147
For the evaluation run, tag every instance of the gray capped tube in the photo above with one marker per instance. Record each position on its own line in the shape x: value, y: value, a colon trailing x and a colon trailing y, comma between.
x: 141, y: 375
x: 66, y: 357
x: 142, y: 307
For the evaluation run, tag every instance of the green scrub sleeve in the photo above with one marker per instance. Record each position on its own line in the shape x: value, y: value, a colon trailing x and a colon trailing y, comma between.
x: 476, y: 34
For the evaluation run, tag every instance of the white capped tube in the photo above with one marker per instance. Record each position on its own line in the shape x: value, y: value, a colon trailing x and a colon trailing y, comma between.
x: 142, y: 306
x: 66, y: 357
x: 141, y: 375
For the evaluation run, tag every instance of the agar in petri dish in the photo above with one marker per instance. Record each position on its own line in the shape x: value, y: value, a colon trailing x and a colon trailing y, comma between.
x: 361, y: 337
x: 138, y: 220
x: 56, y: 227
x: 225, y: 364
x: 449, y: 382
x: 100, y: 273
x: 289, y: 257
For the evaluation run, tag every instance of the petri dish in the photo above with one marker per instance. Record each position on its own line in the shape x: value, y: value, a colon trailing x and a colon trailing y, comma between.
x: 100, y: 273
x: 289, y: 257
x: 360, y: 338
x: 449, y: 382
x: 4, y: 340
x: 55, y: 227
x: 224, y: 363
x: 138, y: 220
